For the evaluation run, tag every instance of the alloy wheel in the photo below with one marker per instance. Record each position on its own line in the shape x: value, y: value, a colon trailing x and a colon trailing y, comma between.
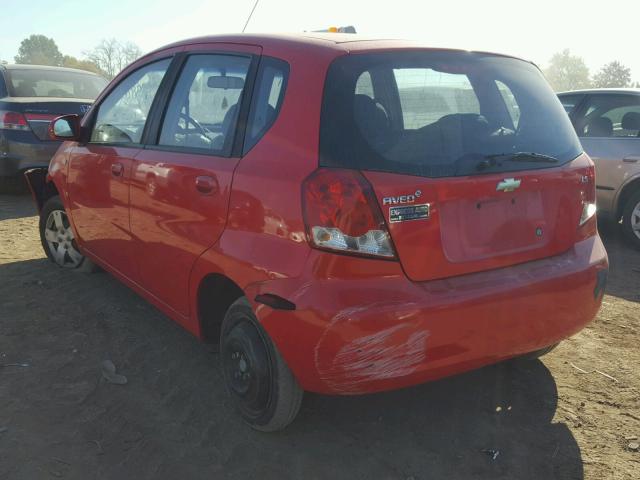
x: 61, y: 241
x: 635, y: 220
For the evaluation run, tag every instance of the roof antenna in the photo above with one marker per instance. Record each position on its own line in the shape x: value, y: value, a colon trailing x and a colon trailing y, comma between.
x: 249, y: 18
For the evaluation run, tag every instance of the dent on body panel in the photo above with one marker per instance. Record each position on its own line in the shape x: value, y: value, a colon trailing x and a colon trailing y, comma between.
x: 371, y: 354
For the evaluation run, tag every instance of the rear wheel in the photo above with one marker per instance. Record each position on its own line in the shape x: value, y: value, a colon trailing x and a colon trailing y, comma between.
x: 537, y: 353
x: 265, y: 392
x: 631, y: 219
x: 58, y: 240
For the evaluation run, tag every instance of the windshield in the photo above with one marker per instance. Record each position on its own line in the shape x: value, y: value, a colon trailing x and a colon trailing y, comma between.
x: 437, y: 114
x: 54, y: 83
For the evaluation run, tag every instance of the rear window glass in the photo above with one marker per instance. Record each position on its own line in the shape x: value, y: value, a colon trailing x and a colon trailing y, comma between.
x: 441, y: 114
x: 54, y: 83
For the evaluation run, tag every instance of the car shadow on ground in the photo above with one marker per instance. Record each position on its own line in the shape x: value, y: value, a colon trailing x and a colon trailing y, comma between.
x: 174, y: 419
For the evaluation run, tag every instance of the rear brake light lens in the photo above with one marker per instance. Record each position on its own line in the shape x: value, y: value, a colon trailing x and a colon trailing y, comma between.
x: 588, y: 211
x: 588, y: 181
x: 341, y: 214
x: 13, y: 121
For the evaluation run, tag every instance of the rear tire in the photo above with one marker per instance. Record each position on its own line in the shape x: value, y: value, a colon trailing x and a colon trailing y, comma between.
x: 631, y: 219
x: 537, y: 353
x: 265, y: 392
x: 58, y: 239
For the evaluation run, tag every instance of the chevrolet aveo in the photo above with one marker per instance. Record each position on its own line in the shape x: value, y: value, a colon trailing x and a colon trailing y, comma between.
x: 343, y: 215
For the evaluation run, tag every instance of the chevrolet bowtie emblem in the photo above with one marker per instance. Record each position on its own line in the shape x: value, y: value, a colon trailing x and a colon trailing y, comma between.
x: 508, y: 185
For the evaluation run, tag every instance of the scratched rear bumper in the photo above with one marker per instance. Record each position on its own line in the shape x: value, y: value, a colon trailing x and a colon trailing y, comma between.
x: 361, y: 336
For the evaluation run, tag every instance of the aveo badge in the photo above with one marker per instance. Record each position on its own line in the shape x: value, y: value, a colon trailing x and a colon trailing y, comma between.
x: 405, y: 212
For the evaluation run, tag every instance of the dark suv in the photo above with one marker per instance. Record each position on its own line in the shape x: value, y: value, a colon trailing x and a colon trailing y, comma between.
x: 30, y: 97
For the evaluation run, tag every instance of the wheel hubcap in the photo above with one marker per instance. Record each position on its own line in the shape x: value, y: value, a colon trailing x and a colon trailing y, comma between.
x: 635, y: 220
x: 247, y: 369
x: 60, y: 240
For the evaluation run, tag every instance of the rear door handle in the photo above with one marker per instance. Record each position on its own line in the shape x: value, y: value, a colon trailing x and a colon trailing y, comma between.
x: 117, y: 169
x: 207, y: 185
x: 631, y: 159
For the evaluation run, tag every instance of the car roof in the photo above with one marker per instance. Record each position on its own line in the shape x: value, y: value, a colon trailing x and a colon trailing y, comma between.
x: 24, y: 66
x: 592, y: 91
x: 340, y: 43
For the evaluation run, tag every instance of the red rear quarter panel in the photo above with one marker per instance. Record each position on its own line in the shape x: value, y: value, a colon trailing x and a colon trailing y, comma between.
x: 265, y: 237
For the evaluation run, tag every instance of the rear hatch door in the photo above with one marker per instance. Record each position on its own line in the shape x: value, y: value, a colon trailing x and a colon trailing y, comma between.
x: 443, y: 227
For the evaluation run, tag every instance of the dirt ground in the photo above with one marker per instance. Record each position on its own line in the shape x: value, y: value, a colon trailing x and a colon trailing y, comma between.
x: 570, y: 416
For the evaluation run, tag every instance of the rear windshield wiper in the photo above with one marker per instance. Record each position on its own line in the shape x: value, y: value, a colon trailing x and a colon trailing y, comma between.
x: 493, y: 159
x: 523, y: 157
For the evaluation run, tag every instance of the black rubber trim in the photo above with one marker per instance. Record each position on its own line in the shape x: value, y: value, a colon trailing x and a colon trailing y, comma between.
x: 601, y: 283
x: 600, y: 187
x: 275, y: 301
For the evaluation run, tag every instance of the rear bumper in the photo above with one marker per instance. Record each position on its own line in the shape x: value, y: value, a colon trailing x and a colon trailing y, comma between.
x: 364, y: 335
x: 20, y: 151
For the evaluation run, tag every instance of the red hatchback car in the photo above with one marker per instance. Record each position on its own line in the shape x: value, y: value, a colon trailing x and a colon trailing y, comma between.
x: 343, y: 215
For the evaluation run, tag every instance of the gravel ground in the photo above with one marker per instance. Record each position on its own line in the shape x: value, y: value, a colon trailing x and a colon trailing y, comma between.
x: 572, y: 415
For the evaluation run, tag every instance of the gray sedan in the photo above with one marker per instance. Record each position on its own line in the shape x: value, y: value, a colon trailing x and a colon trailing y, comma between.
x: 608, y: 124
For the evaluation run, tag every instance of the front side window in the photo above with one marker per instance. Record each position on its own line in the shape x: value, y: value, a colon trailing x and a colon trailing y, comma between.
x: 205, y: 103
x: 610, y: 116
x: 122, y: 115
x: 439, y: 114
x: 3, y: 88
x: 267, y: 98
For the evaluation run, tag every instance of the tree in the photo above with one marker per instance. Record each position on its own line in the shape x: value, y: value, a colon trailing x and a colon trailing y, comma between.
x: 112, y: 56
x: 612, y: 75
x: 39, y: 50
x: 567, y: 72
x: 72, y: 62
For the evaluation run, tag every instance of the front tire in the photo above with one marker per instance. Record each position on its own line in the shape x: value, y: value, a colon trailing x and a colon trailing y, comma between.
x: 265, y: 392
x: 631, y: 219
x: 58, y: 239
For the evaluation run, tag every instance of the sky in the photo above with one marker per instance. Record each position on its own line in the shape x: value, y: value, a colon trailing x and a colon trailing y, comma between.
x: 532, y: 29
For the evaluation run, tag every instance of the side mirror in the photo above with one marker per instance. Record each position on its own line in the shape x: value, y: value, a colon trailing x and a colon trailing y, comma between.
x: 66, y: 127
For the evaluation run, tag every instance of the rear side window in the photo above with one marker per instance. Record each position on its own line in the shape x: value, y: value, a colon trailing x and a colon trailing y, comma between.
x: 510, y: 103
x: 427, y: 95
x: 609, y: 116
x: 204, y: 105
x: 267, y: 99
x: 570, y: 102
x: 439, y: 114
x: 364, y: 85
x: 122, y: 115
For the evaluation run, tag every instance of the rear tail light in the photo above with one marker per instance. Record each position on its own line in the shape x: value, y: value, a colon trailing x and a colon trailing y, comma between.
x: 13, y: 121
x: 587, y: 225
x: 341, y: 214
x: 588, y: 211
x: 588, y: 181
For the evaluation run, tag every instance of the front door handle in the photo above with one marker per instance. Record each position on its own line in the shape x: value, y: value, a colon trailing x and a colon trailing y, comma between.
x: 631, y: 159
x: 207, y: 185
x: 117, y: 169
